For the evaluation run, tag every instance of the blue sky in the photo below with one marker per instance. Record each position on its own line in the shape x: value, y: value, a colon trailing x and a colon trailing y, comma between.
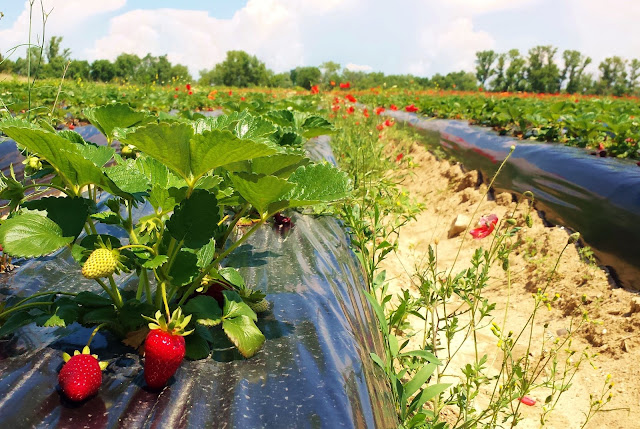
x: 422, y: 37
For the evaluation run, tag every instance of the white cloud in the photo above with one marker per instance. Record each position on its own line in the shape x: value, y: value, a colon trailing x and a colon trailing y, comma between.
x: 449, y: 47
x: 358, y: 67
x: 606, y: 28
x: 64, y: 16
x: 486, y: 6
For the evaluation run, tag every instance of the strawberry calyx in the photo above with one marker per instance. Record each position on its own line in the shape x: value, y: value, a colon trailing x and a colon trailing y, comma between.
x: 85, y: 351
x: 176, y: 324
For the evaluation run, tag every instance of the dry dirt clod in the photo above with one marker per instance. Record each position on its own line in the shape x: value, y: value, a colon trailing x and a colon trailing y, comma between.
x: 458, y: 225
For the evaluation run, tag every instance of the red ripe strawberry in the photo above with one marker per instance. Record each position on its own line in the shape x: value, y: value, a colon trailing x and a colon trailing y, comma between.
x: 81, y: 375
x: 164, y: 348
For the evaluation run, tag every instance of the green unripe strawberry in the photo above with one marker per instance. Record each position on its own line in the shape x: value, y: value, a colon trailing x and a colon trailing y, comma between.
x: 101, y: 263
x: 260, y: 306
x: 127, y: 151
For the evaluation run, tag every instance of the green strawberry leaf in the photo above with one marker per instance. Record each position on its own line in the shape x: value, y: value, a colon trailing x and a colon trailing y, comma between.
x: 244, y: 334
x: 242, y: 124
x: 196, y: 219
x: 31, y: 235
x: 185, y: 268
x: 197, y: 347
x: 107, y: 217
x: 156, y: 261
x: 191, y: 156
x: 234, y: 306
x: 99, y: 155
x: 117, y: 115
x: 232, y: 275
x: 128, y: 177
x: 130, y: 315
x: 314, y: 126
x: 260, y: 190
x: 206, y: 253
x: 11, y: 189
x: 69, y: 213
x: 92, y: 300
x: 279, y: 165
x: 101, y: 315
x: 205, y: 310
x: 92, y: 241
x: 317, y: 183
x: 64, y: 156
x: 16, y: 321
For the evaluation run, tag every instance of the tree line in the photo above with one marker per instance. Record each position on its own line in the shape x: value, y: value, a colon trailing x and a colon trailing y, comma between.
x: 539, y: 71
x: 542, y: 71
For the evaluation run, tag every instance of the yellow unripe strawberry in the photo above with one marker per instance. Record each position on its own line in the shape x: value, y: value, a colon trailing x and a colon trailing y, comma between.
x: 101, y: 263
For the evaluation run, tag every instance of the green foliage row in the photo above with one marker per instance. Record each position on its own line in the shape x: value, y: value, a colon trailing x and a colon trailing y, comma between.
x: 571, y: 120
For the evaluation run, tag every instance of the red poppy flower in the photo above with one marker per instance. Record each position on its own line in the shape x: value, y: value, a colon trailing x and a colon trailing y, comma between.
x: 335, y: 107
x: 175, y: 96
x: 351, y: 98
x: 357, y: 122
x: 230, y: 93
x: 336, y: 100
x: 242, y: 99
x: 365, y: 112
x: 393, y: 107
x: 378, y: 110
x: 380, y: 127
x: 487, y: 225
x: 527, y: 400
x: 315, y: 89
x: 188, y: 87
x: 345, y: 85
x: 333, y: 83
x: 344, y: 116
x: 177, y: 89
x: 190, y: 92
x: 411, y: 108
x: 388, y: 123
x: 399, y: 157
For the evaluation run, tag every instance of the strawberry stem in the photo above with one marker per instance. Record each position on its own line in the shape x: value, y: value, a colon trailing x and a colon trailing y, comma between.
x: 163, y: 291
x: 116, y: 291
x: 95, y: 331
x: 109, y: 292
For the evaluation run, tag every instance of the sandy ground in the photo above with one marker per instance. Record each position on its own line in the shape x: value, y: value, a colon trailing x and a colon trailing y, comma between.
x: 447, y: 190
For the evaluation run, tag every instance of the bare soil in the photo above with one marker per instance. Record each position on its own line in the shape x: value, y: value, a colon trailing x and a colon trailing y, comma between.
x: 447, y: 190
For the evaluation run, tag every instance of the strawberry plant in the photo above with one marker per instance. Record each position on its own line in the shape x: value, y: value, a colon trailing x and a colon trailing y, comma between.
x: 169, y: 213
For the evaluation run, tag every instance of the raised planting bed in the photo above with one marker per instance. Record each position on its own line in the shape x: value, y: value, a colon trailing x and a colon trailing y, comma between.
x: 599, y: 197
x: 302, y: 362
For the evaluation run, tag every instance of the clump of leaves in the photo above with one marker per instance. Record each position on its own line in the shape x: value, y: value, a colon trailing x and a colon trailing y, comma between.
x: 193, y: 180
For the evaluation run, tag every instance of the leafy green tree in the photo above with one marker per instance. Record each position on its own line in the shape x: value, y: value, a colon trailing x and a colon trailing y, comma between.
x: 499, y: 82
x: 6, y: 65
x: 306, y: 77
x: 484, y: 62
x: 53, y: 50
x: 543, y: 75
x: 574, y: 65
x: 126, y: 66
x: 515, y: 79
x: 238, y: 69
x: 330, y: 72
x: 634, y: 73
x: 613, y: 76
x: 102, y: 70
x: 181, y: 72
x: 279, y: 80
x: 461, y: 80
x: 79, y: 69
x: 153, y: 69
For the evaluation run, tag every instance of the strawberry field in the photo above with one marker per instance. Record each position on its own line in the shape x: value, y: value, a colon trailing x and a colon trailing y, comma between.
x: 160, y: 231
